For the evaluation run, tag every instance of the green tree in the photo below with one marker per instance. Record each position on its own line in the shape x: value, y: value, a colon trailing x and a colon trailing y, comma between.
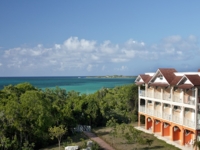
x: 57, y: 132
x: 196, y: 144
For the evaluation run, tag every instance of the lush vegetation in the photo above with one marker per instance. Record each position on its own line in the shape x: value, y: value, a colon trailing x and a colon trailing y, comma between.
x: 28, y: 114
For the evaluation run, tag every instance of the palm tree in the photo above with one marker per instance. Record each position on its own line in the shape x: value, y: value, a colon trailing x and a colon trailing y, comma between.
x: 196, y: 144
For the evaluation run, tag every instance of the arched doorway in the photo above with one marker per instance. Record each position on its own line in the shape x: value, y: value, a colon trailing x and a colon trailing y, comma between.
x: 157, y: 126
x: 166, y: 129
x: 149, y: 123
x: 176, y: 133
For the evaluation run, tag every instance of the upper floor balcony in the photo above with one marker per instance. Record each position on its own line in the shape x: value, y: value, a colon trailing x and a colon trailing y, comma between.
x: 172, y: 113
x: 180, y: 96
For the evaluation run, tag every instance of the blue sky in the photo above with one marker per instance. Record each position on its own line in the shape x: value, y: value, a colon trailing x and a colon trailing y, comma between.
x: 76, y: 38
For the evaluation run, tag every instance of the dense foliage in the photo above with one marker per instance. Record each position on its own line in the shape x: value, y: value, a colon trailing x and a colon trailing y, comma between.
x: 27, y: 113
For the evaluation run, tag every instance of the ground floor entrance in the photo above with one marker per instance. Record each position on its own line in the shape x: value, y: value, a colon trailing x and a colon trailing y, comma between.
x: 174, y: 132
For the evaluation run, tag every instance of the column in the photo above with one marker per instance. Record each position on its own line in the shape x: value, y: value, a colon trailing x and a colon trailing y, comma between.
x: 146, y: 88
x: 182, y: 115
x: 196, y: 107
x: 172, y: 132
x: 162, y: 93
x: 139, y: 90
x: 171, y: 113
x: 172, y: 93
x: 153, y: 125
x: 161, y: 110
x: 162, y: 128
x: 182, y: 136
x: 146, y: 122
x: 138, y: 119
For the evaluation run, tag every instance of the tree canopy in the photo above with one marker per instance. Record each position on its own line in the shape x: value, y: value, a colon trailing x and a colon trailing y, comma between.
x: 27, y: 113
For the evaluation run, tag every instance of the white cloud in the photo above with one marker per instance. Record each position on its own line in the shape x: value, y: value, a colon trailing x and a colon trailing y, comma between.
x: 73, y: 43
x: 1, y: 64
x: 81, y: 55
x: 122, y: 68
x: 89, y: 67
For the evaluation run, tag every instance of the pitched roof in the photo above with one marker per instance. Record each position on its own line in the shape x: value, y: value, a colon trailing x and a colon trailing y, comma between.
x: 176, y: 80
x: 185, y: 86
x: 159, y: 84
x: 194, y: 79
x: 145, y: 77
x: 168, y: 73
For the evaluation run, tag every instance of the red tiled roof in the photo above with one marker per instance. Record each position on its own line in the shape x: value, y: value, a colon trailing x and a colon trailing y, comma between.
x: 185, y: 86
x: 168, y: 73
x: 176, y: 80
x: 145, y: 77
x: 139, y: 83
x: 159, y: 84
x: 194, y: 79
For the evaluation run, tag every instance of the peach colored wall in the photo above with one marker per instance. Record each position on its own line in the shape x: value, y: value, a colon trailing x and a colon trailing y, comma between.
x: 166, y: 131
x: 157, y: 127
x: 149, y: 124
x: 176, y: 135
x: 188, y: 137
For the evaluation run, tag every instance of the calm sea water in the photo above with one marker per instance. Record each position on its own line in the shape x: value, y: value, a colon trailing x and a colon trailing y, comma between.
x: 80, y: 84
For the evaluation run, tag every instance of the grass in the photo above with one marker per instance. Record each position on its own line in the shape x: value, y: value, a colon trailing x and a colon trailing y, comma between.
x: 119, y: 143
x: 77, y: 139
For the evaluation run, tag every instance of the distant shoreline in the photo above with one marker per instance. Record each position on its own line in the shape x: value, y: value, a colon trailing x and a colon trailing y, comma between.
x: 114, y: 76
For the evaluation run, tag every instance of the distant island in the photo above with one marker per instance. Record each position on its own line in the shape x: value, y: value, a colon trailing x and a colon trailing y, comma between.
x: 111, y: 76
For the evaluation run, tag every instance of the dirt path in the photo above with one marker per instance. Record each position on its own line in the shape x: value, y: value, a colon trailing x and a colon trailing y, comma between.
x: 99, y: 141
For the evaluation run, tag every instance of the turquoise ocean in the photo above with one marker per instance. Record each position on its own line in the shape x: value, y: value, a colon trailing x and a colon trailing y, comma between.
x: 79, y: 84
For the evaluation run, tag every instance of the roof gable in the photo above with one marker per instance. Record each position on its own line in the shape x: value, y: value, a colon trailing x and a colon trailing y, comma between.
x: 167, y: 74
x: 194, y: 79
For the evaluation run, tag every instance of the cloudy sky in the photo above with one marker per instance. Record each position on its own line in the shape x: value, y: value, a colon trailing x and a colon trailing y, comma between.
x: 77, y: 38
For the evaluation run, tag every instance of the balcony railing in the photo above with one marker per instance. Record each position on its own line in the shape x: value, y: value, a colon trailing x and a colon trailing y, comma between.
x: 150, y: 111
x: 142, y: 108
x: 149, y: 94
x: 189, y: 123
x: 142, y: 92
x: 157, y: 95
x: 167, y: 116
x: 177, y: 119
x: 167, y: 96
x: 189, y: 100
x: 157, y: 113
x: 177, y: 98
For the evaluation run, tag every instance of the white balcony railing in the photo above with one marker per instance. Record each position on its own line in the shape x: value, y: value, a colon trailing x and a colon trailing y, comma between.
x: 167, y: 96
x: 157, y: 95
x: 177, y: 99
x: 149, y: 111
x: 142, y: 92
x: 142, y: 108
x: 189, y: 123
x: 149, y: 94
x: 189, y: 100
x: 177, y: 119
x: 158, y: 114
x: 167, y: 116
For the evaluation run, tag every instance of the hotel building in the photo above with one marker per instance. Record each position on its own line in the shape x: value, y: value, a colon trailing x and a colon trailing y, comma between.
x: 170, y: 103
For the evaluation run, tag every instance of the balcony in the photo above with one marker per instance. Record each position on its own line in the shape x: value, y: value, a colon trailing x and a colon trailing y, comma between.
x: 176, y: 98
x: 142, y: 93
x: 177, y: 119
x: 150, y: 94
x: 157, y: 95
x: 189, y: 123
x: 167, y: 116
x: 189, y: 100
x: 167, y: 96
x: 150, y: 111
x: 157, y: 113
x: 142, y: 108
